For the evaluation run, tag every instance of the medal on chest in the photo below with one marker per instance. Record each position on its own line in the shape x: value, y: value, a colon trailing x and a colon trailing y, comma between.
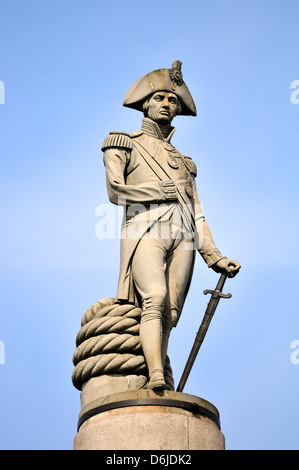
x: 174, y: 156
x: 176, y: 160
x: 189, y: 185
x: 172, y: 162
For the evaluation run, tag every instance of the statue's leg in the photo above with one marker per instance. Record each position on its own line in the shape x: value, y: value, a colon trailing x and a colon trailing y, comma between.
x: 148, y: 268
x: 179, y: 265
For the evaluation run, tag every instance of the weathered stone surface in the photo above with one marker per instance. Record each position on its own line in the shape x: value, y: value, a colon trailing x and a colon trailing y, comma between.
x: 128, y: 428
x: 98, y: 387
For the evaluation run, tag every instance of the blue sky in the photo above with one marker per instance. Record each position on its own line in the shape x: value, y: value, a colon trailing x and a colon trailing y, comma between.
x: 66, y: 66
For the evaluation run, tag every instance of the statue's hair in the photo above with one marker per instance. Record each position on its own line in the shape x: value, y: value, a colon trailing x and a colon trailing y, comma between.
x: 145, y: 106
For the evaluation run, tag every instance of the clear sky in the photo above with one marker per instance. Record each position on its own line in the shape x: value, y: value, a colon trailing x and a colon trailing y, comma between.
x: 65, y: 67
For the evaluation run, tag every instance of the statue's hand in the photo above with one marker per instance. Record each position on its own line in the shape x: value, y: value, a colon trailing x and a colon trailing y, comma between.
x: 227, y: 266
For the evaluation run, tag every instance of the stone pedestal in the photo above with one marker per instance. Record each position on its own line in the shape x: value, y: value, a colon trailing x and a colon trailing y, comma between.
x: 149, y: 420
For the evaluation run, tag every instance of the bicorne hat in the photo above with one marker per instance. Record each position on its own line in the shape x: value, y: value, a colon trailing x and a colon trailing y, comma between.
x: 170, y: 80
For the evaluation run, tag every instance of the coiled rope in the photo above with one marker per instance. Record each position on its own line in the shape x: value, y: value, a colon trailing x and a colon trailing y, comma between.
x: 108, y: 343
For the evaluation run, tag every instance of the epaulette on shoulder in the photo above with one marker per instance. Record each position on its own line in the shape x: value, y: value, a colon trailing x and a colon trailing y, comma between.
x: 190, y: 165
x: 117, y: 140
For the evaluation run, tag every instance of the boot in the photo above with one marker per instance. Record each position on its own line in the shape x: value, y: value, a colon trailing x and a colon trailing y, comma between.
x: 150, y: 338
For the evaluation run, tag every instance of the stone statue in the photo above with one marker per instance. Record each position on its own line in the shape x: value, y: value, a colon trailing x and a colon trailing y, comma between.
x: 163, y: 223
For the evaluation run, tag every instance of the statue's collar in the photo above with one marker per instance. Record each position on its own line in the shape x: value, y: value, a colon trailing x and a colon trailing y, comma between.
x: 151, y: 128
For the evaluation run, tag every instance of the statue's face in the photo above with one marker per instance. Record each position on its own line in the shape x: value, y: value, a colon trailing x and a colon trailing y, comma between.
x: 162, y: 107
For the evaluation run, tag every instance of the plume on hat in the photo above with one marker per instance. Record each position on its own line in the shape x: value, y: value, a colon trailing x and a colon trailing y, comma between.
x: 170, y: 80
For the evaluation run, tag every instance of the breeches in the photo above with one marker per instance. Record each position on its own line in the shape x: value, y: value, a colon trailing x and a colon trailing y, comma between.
x: 161, y: 271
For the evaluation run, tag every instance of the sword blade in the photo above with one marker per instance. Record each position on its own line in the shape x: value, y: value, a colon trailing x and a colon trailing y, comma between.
x: 210, y: 310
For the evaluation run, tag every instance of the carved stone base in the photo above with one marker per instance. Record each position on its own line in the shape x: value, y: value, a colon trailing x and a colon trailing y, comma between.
x: 100, y: 387
x: 149, y: 420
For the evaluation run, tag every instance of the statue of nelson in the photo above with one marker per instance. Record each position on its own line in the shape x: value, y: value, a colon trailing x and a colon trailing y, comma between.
x: 163, y: 224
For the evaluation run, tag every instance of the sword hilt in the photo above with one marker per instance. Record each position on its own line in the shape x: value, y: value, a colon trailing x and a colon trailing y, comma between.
x: 216, y: 293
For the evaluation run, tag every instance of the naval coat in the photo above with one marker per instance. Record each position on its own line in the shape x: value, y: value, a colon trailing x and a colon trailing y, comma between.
x: 151, y: 179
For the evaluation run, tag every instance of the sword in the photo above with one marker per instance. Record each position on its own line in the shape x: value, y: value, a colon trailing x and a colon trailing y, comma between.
x: 216, y: 295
